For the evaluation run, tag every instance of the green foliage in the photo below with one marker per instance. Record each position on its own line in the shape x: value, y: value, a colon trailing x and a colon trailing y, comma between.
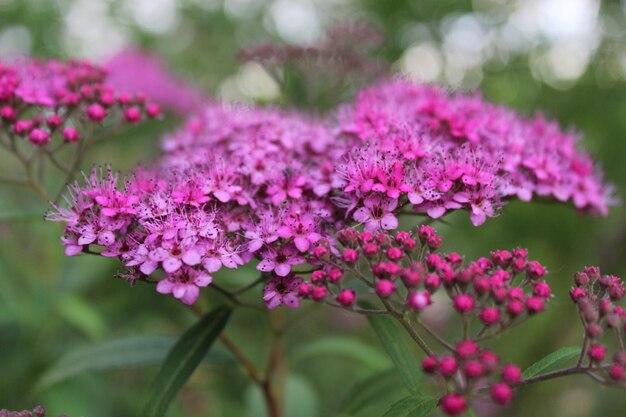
x: 412, y: 406
x: 552, y: 362
x: 371, y: 396
x: 183, y: 359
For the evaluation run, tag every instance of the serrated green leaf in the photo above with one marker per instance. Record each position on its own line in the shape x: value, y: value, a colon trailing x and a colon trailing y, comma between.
x: 381, y: 387
x: 183, y: 359
x: 119, y: 353
x: 412, y: 406
x: 552, y: 362
x: 343, y: 346
x: 394, y: 340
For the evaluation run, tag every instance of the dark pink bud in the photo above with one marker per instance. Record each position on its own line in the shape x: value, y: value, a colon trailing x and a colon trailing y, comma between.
x: 107, y: 99
x: 346, y: 298
x: 394, y: 254
x: 319, y: 293
x: 593, y: 272
x: 411, y: 278
x: 425, y: 232
x: 515, y: 308
x: 401, y: 236
x: 432, y: 282
x: 38, y: 136
x: 577, y: 293
x: 484, y: 263
x: 616, y: 292
x: 594, y: 330
x: 418, y: 300
x: 96, y: 112
x: 511, y: 374
x: 370, y: 250
x: 365, y: 237
x: 453, y: 404
x: 22, y: 127
x: 409, y: 245
x: 347, y: 237
x: 489, y: 360
x: 473, y: 369
x: 482, y: 285
x: 620, y: 357
x: 320, y: 252
x: 54, y: 121
x: 466, y: 349
x: 448, y: 366
x: 124, y: 98
x: 489, y: 315
x: 318, y: 276
x: 518, y: 265
x: 542, y: 289
x: 454, y: 259
x: 534, y: 305
x: 39, y: 411
x: 463, y: 303
x: 501, y: 257
x: 616, y: 372
x: 433, y: 260
x: 434, y: 242
x: 334, y: 275
x: 501, y: 393
x: 132, y: 114
x: 70, y: 134
x: 580, y: 278
x: 384, y: 240
x: 350, y: 256
x: 597, y: 352
x: 8, y: 114
x: 153, y: 110
x: 385, y: 287
x: 429, y: 364
x: 304, y: 290
x: 515, y: 293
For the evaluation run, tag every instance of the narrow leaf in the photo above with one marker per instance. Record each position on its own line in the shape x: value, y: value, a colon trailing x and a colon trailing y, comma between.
x: 394, y: 340
x: 119, y: 353
x: 183, y: 359
x: 366, y: 395
x: 552, y: 362
x: 412, y: 406
x: 343, y: 346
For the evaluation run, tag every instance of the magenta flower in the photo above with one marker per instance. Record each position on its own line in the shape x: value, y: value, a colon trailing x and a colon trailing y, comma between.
x: 377, y: 213
x: 282, y: 290
x: 184, y: 285
x: 279, y: 260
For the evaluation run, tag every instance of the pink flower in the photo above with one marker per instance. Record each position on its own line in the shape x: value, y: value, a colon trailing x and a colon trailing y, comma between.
x: 282, y: 290
x: 377, y: 213
x: 184, y: 284
x: 280, y: 260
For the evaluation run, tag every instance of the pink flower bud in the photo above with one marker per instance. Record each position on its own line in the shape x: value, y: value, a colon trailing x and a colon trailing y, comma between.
x: 581, y: 279
x: 501, y: 393
x: 620, y: 357
x: 425, y: 232
x: 334, y: 275
x: 107, y: 99
x: 153, y: 110
x: 347, y: 237
x: 453, y: 404
x: 394, y: 254
x: 370, y: 250
x: 54, y: 121
x: 466, y: 349
x: 482, y: 285
x: 463, y: 303
x: 616, y: 292
x: 594, y: 331
x: 473, y: 369
x: 304, y: 290
x: 542, y: 289
x: 8, y: 114
x: 577, y: 293
x: 350, y: 256
x: 501, y: 257
x: 433, y: 260
x: 434, y: 242
x: 534, y: 305
x: 489, y: 315
x: 132, y: 114
x: 319, y: 293
x: 96, y: 112
x: 454, y: 259
x: 418, y: 300
x: 429, y: 364
x: 511, y: 374
x: 385, y: 287
x: 346, y: 298
x: 70, y: 134
x: 22, y: 127
x: 124, y: 98
x: 448, y: 366
x: 515, y: 308
x: 432, y: 282
x: 365, y: 237
x: 536, y: 270
x: 616, y: 372
x: 38, y: 136
x: 597, y: 352
x: 320, y: 252
x: 489, y: 360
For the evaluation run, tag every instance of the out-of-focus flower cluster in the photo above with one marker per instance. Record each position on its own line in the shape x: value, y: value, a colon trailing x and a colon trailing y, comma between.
x: 44, y: 100
x: 596, y: 297
x: 404, y: 271
x: 38, y: 411
x: 439, y: 151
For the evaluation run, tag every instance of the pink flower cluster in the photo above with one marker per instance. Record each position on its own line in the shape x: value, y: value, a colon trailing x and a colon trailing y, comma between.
x: 439, y: 151
x: 38, y: 411
x: 40, y: 100
x: 403, y: 270
x: 234, y: 184
x: 596, y: 297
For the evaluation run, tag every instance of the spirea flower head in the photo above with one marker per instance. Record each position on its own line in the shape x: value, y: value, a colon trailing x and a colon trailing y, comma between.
x: 45, y: 101
x: 441, y: 151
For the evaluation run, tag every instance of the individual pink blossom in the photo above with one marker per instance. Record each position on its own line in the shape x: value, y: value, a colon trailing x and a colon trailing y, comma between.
x: 282, y: 290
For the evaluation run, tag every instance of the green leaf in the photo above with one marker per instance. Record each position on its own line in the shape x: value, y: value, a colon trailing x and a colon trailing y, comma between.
x: 343, y: 346
x: 300, y: 399
x: 412, y: 406
x: 394, y: 340
x: 552, y: 362
x: 367, y: 395
x: 183, y: 359
x: 120, y: 353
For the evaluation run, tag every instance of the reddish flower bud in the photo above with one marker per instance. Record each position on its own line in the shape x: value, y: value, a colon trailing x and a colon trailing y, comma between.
x: 473, y: 369
x: 22, y: 127
x: 409, y: 245
x: 580, y: 278
x: 594, y: 330
x: 54, y: 121
x: 463, y: 303
x: 39, y: 136
x: 346, y: 298
x: 501, y: 393
x: 411, y: 278
x: 620, y: 357
x: 518, y: 265
x: 433, y: 260
x: 425, y: 232
x: 593, y: 272
x: 434, y: 242
x: 334, y: 275
x: 365, y: 237
x: 448, y: 366
x: 501, y: 257
x: 347, y: 237
x: 429, y: 364
x: 616, y: 372
x: 304, y: 290
x: 453, y: 404
x: 454, y: 259
x: 515, y: 308
x: 482, y: 285
x: 319, y: 293
x: 394, y: 254
x: 70, y: 134
x: 8, y: 114
x: 597, y: 352
x: 350, y: 256
x: 542, y: 289
x: 616, y: 292
x: 534, y: 305
x: 370, y: 250
x: 385, y: 287
x: 489, y: 360
x: 39, y: 411
x: 318, y: 276
x: 96, y: 112
x: 432, y: 282
x: 511, y: 374
x: 418, y: 300
x: 489, y: 315
x: 132, y: 114
x: 320, y: 252
x: 466, y: 349
x: 577, y: 293
x: 153, y: 110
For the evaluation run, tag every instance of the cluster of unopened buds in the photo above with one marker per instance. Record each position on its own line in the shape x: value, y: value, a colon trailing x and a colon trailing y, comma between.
x: 596, y: 297
x: 405, y: 272
x: 38, y: 411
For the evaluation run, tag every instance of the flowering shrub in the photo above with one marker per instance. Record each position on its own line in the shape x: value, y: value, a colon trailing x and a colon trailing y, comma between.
x: 317, y: 206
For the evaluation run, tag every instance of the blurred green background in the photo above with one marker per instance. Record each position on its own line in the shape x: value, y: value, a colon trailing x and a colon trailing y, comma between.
x: 566, y: 58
